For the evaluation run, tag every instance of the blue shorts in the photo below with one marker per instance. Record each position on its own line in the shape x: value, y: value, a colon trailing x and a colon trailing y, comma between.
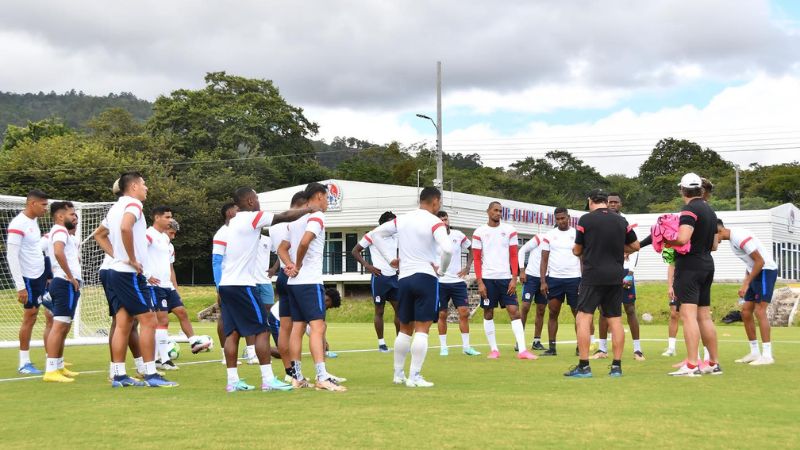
x: 129, y: 290
x: 274, y: 326
x: 160, y: 295
x: 760, y: 289
x: 418, y: 298
x: 564, y: 289
x: 307, y: 302
x: 173, y: 300
x: 104, y: 282
x: 241, y: 311
x: 531, y: 291
x: 497, y: 294
x: 384, y: 288
x: 65, y: 298
x: 36, y: 287
x: 629, y: 295
x: 280, y: 286
x: 457, y: 292
x: 266, y: 294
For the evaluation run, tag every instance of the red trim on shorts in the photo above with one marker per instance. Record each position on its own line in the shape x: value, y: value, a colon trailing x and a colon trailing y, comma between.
x: 689, y: 213
x: 257, y: 218
x: 741, y: 246
x: 19, y: 232
x: 433, y: 229
x: 316, y: 219
x: 223, y: 243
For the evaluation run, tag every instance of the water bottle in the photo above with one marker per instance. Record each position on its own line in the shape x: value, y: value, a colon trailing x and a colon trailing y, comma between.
x: 741, y: 301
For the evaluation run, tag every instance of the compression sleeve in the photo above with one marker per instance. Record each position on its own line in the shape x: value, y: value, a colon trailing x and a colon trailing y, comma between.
x: 14, y: 266
x: 440, y: 235
x: 512, y: 256
x: 216, y: 267
x: 476, y: 258
x: 646, y: 241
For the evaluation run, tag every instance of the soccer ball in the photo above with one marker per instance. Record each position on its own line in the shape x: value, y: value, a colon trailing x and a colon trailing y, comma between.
x: 647, y: 317
x: 174, y: 350
x: 203, y: 339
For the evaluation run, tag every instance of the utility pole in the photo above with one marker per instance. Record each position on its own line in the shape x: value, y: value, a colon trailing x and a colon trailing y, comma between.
x: 439, y: 167
x: 738, y: 202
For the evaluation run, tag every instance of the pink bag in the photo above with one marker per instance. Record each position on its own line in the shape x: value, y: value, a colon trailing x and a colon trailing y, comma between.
x: 666, y: 228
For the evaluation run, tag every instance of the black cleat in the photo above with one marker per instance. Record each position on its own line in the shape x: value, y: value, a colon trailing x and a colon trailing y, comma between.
x: 616, y: 371
x: 537, y: 345
x: 549, y: 352
x: 516, y: 347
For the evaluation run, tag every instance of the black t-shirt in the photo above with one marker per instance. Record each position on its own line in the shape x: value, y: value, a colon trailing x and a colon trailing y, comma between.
x: 603, y: 235
x: 699, y: 215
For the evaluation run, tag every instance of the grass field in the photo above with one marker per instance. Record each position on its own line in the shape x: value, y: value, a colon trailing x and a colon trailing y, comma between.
x: 476, y: 403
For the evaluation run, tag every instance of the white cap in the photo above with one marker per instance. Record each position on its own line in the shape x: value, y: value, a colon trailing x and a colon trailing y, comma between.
x: 115, y: 187
x: 691, y: 180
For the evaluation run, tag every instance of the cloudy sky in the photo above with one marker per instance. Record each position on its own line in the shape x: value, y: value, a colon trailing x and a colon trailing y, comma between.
x: 604, y: 80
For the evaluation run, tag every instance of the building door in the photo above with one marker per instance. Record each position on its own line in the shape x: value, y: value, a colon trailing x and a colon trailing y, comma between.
x: 332, y: 262
x: 350, y: 241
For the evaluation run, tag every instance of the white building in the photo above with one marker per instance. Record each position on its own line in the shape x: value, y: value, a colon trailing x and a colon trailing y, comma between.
x: 354, y: 208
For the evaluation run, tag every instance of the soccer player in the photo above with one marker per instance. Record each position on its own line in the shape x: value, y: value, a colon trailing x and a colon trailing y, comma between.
x: 64, y: 289
x: 419, y: 233
x: 628, y: 299
x: 602, y: 238
x: 531, y: 282
x: 560, y: 274
x: 756, y: 289
x: 128, y: 280
x: 384, y: 278
x: 158, y: 257
x: 242, y: 313
x: 453, y: 286
x: 302, y: 253
x: 332, y: 300
x: 26, y: 264
x: 694, y: 274
x: 494, y: 247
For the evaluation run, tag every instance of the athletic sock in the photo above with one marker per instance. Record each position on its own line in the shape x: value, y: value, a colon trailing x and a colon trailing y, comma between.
x: 519, y: 334
x: 298, y: 373
x: 24, y: 357
x: 488, y: 328
x: 381, y: 342
x: 706, y: 355
x: 593, y: 340
x: 671, y: 343
x: 60, y: 363
x: 754, y: 347
x: 637, y: 345
x: 233, y: 375
x: 603, y: 345
x: 111, y: 370
x: 537, y: 339
x: 266, y: 373
x: 419, y: 348
x: 118, y: 369
x: 251, y: 351
x: 767, y: 349
x: 402, y: 344
x: 322, y: 373
x: 443, y: 340
x: 583, y: 363
x: 51, y: 365
x: 162, y: 344
x: 150, y: 368
x: 616, y: 362
x: 552, y: 345
x: 289, y: 371
x: 465, y: 340
x: 139, y: 362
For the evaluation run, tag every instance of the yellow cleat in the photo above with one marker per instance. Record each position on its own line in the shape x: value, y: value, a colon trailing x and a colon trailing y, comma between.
x: 68, y: 373
x: 56, y: 377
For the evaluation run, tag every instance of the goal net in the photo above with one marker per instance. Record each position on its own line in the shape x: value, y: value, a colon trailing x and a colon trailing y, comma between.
x: 91, y: 322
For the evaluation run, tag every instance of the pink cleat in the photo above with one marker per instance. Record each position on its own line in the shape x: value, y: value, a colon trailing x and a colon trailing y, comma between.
x: 494, y: 354
x: 526, y: 354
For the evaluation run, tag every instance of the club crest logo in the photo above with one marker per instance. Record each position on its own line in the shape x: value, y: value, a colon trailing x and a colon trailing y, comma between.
x: 334, y: 196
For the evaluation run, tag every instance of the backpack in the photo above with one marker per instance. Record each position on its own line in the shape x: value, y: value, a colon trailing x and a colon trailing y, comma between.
x: 666, y: 228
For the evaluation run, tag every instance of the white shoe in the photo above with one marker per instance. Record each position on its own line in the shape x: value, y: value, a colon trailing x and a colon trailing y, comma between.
x: 668, y: 352
x: 338, y: 380
x: 399, y: 379
x: 238, y: 363
x: 709, y: 369
x: 763, y: 361
x: 418, y: 381
x: 748, y: 358
x: 685, y: 371
x: 253, y: 361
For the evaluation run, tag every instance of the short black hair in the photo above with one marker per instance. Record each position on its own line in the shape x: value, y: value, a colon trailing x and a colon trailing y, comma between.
x: 225, y: 208
x: 336, y: 298
x: 128, y: 178
x: 299, y: 198
x: 242, y: 193
x: 315, y: 188
x: 615, y: 194
x: 59, y: 206
x: 160, y: 210
x: 492, y: 203
x: 429, y: 193
x: 385, y: 217
x: 560, y: 210
x: 720, y: 224
x: 37, y: 194
x: 442, y: 214
x: 692, y: 192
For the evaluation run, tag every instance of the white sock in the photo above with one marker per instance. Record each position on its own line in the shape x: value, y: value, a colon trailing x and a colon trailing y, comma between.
x: 322, y: 372
x: 706, y: 355
x: 637, y: 345
x: 162, y: 344
x: 519, y: 334
x: 150, y: 368
x: 671, y: 343
x: 465, y: 340
x: 51, y: 365
x: 139, y: 364
x: 222, y: 349
x: 381, y: 341
x: 594, y: 339
x: 488, y: 328
x: 266, y: 373
x: 24, y: 357
x: 233, y: 375
x: 402, y: 344
x: 118, y: 369
x: 766, y: 349
x: 443, y: 340
x: 419, y: 348
x: 251, y: 351
x: 111, y: 370
x: 60, y: 363
x: 754, y: 348
x: 603, y: 345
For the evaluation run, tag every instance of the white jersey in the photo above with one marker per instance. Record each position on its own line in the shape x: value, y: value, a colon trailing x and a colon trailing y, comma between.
x: 262, y: 260
x: 631, y: 260
x: 744, y: 243
x: 494, y: 243
x: 244, y: 231
x: 159, y: 257
x: 389, y: 243
x: 311, y: 270
x: 220, y: 241
x: 278, y: 234
x: 419, y: 235
x: 459, y: 242
x: 24, y: 235
x: 561, y: 263
x: 127, y: 205
x: 107, y: 259
x: 534, y: 247
x: 59, y: 233
x: 275, y: 311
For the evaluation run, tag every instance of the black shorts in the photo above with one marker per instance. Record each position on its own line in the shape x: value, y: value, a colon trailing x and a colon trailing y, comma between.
x: 457, y: 292
x: 129, y: 291
x: 693, y: 286
x: 241, y: 311
x: 607, y: 297
x: 280, y: 287
x: 36, y: 287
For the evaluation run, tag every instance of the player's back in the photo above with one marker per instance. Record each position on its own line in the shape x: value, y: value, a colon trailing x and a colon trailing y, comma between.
x: 240, y: 252
x: 311, y: 270
x: 417, y: 246
x: 127, y: 205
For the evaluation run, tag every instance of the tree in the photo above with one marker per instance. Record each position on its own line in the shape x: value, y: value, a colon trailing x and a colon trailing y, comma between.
x: 33, y: 132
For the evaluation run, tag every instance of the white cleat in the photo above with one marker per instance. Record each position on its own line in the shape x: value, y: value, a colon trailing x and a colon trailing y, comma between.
x: 763, y: 361
x: 418, y: 381
x: 253, y: 361
x: 669, y: 352
x: 338, y: 380
x: 685, y: 371
x: 399, y: 379
x: 748, y: 358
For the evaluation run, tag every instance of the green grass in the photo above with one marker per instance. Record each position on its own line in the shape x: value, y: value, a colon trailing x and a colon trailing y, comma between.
x: 476, y: 403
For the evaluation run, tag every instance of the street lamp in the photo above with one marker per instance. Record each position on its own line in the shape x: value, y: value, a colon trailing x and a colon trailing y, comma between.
x: 439, y: 181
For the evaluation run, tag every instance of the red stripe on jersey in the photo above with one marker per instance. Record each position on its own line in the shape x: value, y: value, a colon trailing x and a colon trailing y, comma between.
x: 433, y: 229
x: 257, y: 218
x: 318, y: 220
x: 476, y: 237
x: 634, y: 226
x: 60, y: 231
x: 546, y: 240
x: 629, y: 228
x: 741, y: 246
x: 135, y: 205
x: 222, y: 243
x: 464, y: 240
x: 149, y: 239
x: 512, y: 235
x: 19, y: 232
x: 580, y: 228
x: 537, y: 240
x: 366, y: 236
x: 689, y: 213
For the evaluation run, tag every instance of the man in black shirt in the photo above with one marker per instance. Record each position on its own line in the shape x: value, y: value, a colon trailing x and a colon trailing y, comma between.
x: 602, y: 238
x: 694, y: 274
